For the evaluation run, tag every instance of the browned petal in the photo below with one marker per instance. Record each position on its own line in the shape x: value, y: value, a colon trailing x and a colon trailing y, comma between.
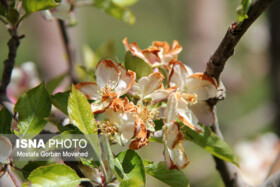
x: 173, y: 63
x: 175, y: 48
x: 109, y: 64
x: 179, y: 136
x: 164, y: 45
x: 205, y: 77
x: 109, y: 96
x: 131, y: 46
x: 117, y: 104
x: 189, y: 124
x: 137, y: 126
x: 138, y: 143
x: 80, y: 85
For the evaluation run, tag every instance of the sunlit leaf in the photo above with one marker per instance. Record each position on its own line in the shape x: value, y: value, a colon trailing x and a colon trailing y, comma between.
x: 81, y: 116
x: 31, y: 6
x: 32, y: 107
x: 5, y: 121
x: 132, y: 182
x: 132, y: 165
x: 58, y: 175
x: 174, y: 178
x: 125, y: 2
x: 137, y: 65
x: 32, y: 165
x: 210, y: 142
x: 115, y: 10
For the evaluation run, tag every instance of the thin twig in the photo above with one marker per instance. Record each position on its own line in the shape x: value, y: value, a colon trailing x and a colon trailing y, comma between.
x: 9, y: 63
x: 13, y: 177
x: 68, y: 49
x: 217, y: 61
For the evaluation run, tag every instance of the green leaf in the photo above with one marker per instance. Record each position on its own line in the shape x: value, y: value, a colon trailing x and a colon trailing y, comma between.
x: 54, y: 83
x: 5, y: 121
x: 81, y: 115
x: 242, y: 10
x: 174, y: 178
x: 132, y: 165
x: 125, y: 2
x: 32, y: 165
x: 12, y: 15
x: 3, y: 10
x: 31, y: 6
x: 115, y: 10
x: 210, y: 142
x: 60, y: 101
x: 58, y: 175
x: 108, y: 156
x: 132, y: 182
x: 137, y: 65
x: 33, y: 107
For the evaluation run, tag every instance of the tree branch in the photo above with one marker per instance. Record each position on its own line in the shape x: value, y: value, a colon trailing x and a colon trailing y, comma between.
x: 69, y: 50
x: 10, y: 62
x: 217, y: 61
x: 215, y: 67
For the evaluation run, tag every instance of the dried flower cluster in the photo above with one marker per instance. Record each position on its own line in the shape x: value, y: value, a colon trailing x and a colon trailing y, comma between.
x: 130, y: 106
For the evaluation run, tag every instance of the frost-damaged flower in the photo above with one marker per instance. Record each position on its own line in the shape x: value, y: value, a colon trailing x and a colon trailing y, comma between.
x: 112, y: 81
x: 159, y: 54
x: 194, y: 90
x: 174, y: 154
x: 123, y: 125
x: 151, y: 87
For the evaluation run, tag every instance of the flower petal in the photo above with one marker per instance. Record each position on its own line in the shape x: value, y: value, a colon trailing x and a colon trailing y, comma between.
x: 133, y: 48
x: 171, y: 109
x: 203, y: 112
x: 129, y: 127
x: 100, y: 106
x: 107, y: 73
x: 90, y: 89
x: 160, y: 95
x: 178, y: 75
x: 126, y: 81
x: 150, y: 84
x: 190, y: 120
x: 203, y: 85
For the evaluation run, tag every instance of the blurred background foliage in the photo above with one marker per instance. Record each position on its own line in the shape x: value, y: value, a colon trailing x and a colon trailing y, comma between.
x: 246, y: 113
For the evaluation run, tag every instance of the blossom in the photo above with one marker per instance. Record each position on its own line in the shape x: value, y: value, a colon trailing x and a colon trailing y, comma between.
x: 193, y: 91
x: 112, y: 81
x: 159, y: 54
x: 23, y: 78
x: 151, y: 87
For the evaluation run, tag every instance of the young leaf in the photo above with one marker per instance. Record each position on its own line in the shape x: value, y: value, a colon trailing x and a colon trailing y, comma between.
x: 173, y: 177
x: 210, y: 142
x: 31, y: 6
x: 108, y: 156
x: 137, y: 65
x: 33, y: 107
x: 58, y: 175
x: 115, y: 10
x: 5, y: 121
x: 52, y: 84
x: 12, y: 15
x: 60, y: 101
x: 242, y: 10
x: 135, y: 182
x: 32, y: 165
x: 80, y: 114
x: 132, y: 165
